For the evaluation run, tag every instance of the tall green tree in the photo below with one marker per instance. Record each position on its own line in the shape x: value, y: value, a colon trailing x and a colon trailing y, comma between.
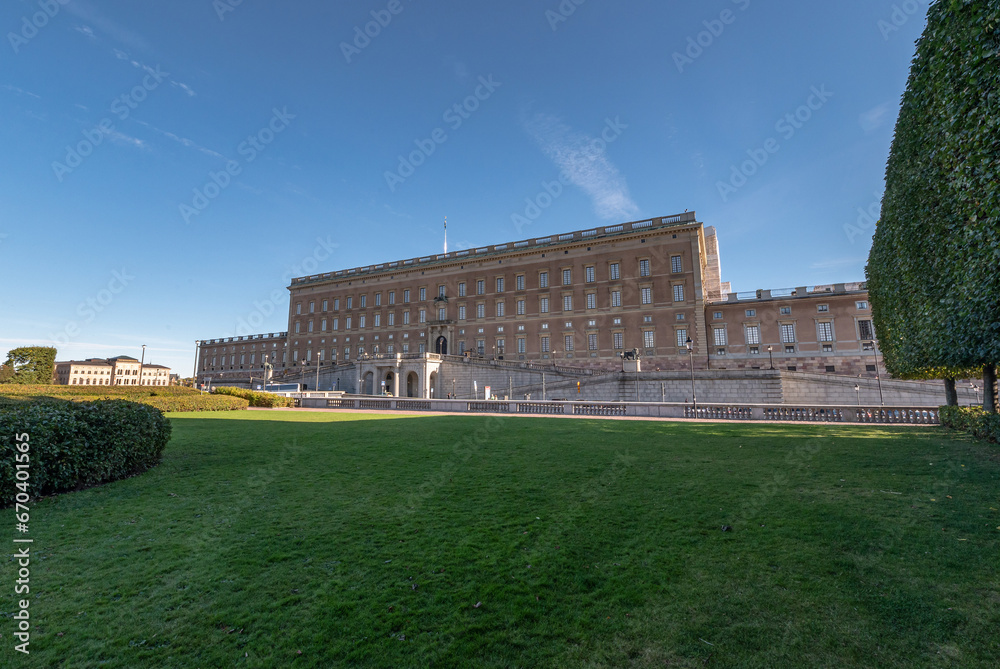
x: 31, y: 365
x: 934, y: 268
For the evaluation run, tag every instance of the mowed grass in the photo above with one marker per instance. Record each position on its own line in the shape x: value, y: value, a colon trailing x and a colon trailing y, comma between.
x: 281, y: 539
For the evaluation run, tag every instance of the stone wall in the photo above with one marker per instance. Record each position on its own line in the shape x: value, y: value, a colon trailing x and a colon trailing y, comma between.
x: 715, y: 386
x: 814, y: 389
x: 712, y: 386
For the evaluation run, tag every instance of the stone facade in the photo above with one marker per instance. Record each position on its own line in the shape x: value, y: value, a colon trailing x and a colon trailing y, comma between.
x: 810, y: 329
x: 580, y: 299
x: 240, y: 358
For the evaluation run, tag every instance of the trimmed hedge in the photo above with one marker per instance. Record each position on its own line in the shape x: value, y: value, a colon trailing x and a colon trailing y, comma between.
x: 196, y: 402
x: 932, y: 272
x: 257, y: 399
x: 974, y: 420
x: 164, y: 398
x: 77, y: 445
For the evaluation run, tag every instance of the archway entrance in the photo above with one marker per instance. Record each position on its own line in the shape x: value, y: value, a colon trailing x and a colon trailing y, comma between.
x: 412, y: 385
x: 434, y: 384
x: 389, y: 377
x: 441, y: 345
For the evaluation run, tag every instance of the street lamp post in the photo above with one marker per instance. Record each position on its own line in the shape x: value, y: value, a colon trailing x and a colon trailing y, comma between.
x: 305, y: 366
x: 857, y: 389
x: 454, y: 392
x: 143, y: 360
x: 975, y: 388
x: 770, y: 357
x: 878, y: 377
x: 317, y: 371
x: 694, y: 396
x: 197, y: 354
x: 635, y: 353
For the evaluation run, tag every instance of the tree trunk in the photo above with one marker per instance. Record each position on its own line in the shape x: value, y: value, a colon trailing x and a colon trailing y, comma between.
x: 990, y: 389
x: 950, y: 393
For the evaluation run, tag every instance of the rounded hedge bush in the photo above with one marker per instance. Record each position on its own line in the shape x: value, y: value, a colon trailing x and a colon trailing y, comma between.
x: 974, y: 420
x: 77, y: 445
x: 256, y: 399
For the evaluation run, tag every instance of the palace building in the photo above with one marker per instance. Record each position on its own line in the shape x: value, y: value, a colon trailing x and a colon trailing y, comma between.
x: 120, y: 371
x: 579, y: 299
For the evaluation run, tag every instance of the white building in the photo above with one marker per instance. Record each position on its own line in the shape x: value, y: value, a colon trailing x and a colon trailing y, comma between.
x: 119, y: 371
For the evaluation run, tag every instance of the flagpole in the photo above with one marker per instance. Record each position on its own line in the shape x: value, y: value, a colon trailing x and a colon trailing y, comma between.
x: 446, y: 235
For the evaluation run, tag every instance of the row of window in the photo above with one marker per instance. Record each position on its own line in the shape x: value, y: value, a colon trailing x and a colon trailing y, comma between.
x: 253, y: 347
x: 752, y: 336
x: 824, y: 333
x: 121, y: 372
x: 264, y: 357
x: 498, y: 348
x: 590, y: 276
x: 861, y: 305
x: 544, y: 307
x: 719, y: 339
x: 120, y: 382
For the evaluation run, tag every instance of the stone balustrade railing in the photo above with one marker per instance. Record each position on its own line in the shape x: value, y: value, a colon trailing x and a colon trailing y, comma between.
x: 713, y: 412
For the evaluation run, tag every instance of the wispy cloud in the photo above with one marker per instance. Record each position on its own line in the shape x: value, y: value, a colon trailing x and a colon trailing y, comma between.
x: 182, y: 140
x: 122, y: 138
x: 121, y: 55
x: 836, y: 263
x: 20, y: 91
x: 183, y: 87
x: 394, y: 212
x: 84, y: 11
x: 698, y: 159
x: 120, y: 35
x: 88, y: 31
x: 875, y: 118
x: 586, y: 165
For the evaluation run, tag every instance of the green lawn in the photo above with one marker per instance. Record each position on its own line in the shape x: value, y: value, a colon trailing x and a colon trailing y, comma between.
x: 279, y: 539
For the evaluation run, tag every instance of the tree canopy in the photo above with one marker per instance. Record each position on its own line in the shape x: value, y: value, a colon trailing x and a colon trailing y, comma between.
x: 30, y: 365
x: 934, y: 268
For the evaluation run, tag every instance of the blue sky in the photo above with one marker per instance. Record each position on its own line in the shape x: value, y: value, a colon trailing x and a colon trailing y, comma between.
x: 168, y: 167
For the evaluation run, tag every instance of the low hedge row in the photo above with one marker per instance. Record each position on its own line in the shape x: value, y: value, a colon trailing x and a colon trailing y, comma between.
x: 257, y: 399
x: 197, y: 402
x: 974, y: 420
x: 74, y: 445
x: 122, y: 392
x: 164, y: 398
